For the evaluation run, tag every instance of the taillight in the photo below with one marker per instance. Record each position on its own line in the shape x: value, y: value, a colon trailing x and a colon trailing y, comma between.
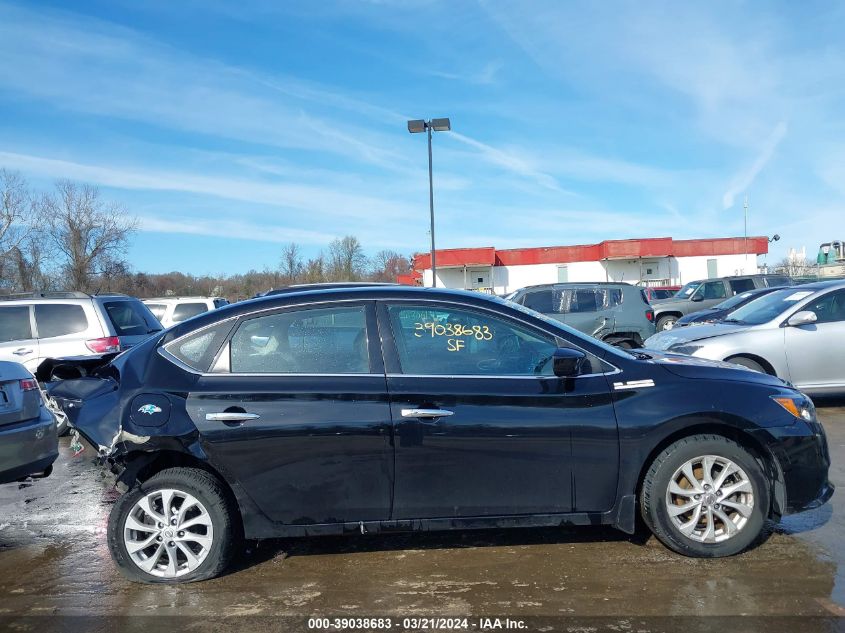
x: 104, y: 345
x: 28, y: 384
x: 649, y: 314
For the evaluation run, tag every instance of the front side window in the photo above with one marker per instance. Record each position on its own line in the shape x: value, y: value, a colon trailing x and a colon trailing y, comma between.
x: 53, y: 319
x: 714, y: 290
x: 829, y: 308
x: 312, y: 341
x: 14, y: 324
x: 446, y: 341
x: 184, y: 311
x: 540, y: 300
x: 576, y: 300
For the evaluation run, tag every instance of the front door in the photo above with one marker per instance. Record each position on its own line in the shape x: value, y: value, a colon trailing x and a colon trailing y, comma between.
x: 295, y: 408
x: 816, y: 352
x: 483, y: 427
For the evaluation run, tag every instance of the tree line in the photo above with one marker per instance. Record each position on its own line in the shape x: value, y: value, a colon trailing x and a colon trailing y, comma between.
x: 71, y: 238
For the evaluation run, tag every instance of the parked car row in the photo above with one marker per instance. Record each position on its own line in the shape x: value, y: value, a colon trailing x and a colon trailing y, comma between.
x: 706, y: 293
x: 795, y: 333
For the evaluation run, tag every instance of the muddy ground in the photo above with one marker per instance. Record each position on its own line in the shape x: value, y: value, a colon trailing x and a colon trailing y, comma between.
x: 56, y: 574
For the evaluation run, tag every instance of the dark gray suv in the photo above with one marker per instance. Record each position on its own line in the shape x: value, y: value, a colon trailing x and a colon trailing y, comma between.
x: 616, y: 313
x: 705, y: 293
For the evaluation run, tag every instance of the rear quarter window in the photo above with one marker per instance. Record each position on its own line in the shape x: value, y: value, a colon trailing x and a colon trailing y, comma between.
x: 59, y: 320
x: 198, y: 349
x: 15, y: 324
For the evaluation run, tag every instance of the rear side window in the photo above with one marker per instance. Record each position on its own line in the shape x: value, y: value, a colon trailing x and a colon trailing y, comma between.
x: 187, y: 310
x: 59, y: 320
x: 741, y: 285
x: 14, y: 324
x: 158, y: 309
x: 219, y: 303
x: 312, y: 341
x: 197, y: 350
x: 131, y: 318
x: 577, y: 300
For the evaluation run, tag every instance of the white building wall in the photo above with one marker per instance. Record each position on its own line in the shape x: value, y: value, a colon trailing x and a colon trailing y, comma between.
x: 671, y: 270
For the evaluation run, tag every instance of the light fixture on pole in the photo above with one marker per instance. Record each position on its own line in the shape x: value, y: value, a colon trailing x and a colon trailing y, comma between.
x: 415, y: 127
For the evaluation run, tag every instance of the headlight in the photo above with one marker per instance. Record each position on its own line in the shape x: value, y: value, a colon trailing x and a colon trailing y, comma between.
x: 799, y: 406
x: 689, y: 350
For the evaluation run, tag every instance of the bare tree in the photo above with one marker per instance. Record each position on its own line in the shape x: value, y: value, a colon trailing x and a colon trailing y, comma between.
x: 795, y: 266
x: 347, y: 261
x: 16, y: 226
x: 387, y: 265
x: 315, y: 270
x: 291, y: 264
x: 89, y: 234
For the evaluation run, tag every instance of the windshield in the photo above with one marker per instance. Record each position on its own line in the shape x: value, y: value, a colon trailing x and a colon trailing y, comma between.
x: 687, y: 290
x: 734, y: 301
x: 766, y: 308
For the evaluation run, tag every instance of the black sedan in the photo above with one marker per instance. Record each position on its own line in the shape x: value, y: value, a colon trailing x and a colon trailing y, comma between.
x: 721, y: 310
x: 355, y: 410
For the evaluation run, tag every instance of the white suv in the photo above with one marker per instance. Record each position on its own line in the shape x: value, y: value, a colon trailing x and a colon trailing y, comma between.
x: 173, y: 310
x: 35, y: 326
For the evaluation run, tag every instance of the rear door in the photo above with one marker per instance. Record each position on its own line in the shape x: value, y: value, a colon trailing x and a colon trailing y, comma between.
x: 584, y: 310
x: 816, y: 351
x: 482, y: 426
x: 17, y: 336
x: 295, y: 408
x: 63, y: 329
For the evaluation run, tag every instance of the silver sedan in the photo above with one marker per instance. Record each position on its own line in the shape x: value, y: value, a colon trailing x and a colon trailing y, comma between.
x: 797, y: 334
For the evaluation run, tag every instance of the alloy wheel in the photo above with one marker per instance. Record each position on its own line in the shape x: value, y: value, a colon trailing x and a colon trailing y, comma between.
x: 168, y: 533
x: 710, y: 499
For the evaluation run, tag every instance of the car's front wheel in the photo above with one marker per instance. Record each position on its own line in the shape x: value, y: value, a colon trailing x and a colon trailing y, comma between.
x: 705, y: 496
x: 178, y: 526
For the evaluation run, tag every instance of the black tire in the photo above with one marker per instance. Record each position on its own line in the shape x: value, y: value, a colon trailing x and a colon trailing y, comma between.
x: 206, y: 488
x: 663, y: 321
x: 653, y: 506
x: 747, y: 362
x: 62, y: 427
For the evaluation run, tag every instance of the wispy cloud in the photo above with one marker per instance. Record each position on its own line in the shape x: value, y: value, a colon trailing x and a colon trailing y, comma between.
x: 743, y: 180
x: 484, y: 76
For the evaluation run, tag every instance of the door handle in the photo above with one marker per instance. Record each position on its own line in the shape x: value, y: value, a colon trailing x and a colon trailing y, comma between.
x: 426, y: 413
x: 22, y: 351
x: 231, y: 416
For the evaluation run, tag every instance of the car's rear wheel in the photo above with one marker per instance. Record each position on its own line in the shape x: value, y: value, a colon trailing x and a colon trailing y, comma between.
x: 666, y: 322
x: 705, y: 496
x: 178, y: 526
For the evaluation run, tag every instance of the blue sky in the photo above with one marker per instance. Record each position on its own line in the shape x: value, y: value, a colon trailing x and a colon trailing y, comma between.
x: 232, y: 128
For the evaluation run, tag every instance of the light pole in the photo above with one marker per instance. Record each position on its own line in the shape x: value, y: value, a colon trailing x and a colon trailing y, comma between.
x: 415, y: 127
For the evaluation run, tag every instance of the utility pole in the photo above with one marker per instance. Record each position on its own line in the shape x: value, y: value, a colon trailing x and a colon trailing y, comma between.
x: 745, y: 232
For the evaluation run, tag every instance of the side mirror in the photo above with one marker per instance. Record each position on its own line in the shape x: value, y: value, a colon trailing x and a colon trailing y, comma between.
x: 697, y: 297
x: 805, y: 317
x: 568, y: 362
